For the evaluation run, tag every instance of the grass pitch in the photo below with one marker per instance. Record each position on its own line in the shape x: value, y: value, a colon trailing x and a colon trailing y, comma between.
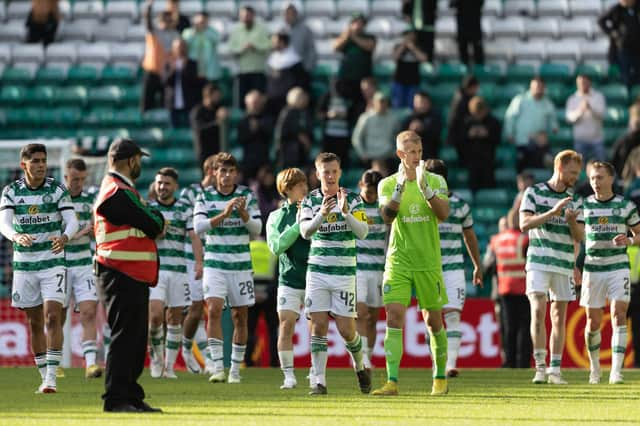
x: 476, y: 397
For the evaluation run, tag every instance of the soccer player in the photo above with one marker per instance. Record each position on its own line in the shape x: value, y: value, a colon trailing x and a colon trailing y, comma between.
x: 606, y: 268
x: 456, y: 229
x: 284, y: 240
x: 413, y: 200
x: 229, y: 215
x: 193, y: 326
x: 552, y: 215
x: 32, y: 212
x: 370, y: 257
x: 172, y: 290
x: 78, y: 258
x: 332, y: 218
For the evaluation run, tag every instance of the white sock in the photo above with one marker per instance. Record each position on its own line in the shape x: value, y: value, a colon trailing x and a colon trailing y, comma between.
x: 53, y: 361
x: 618, y: 347
x: 453, y: 338
x: 366, y: 353
x: 237, y: 358
x: 174, y: 333
x: 286, y: 363
x: 319, y: 345
x: 355, y: 349
x: 540, y: 358
x: 187, y: 345
x: 592, y: 341
x: 89, y: 350
x: 41, y: 363
x: 215, y: 352
x: 106, y: 339
x: 200, y: 336
x: 554, y: 363
x: 157, y: 345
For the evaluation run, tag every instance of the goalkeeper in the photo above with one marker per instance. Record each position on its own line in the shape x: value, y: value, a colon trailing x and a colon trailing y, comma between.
x: 413, y: 201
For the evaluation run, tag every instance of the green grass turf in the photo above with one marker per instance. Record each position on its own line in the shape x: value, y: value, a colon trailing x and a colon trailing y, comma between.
x: 476, y: 397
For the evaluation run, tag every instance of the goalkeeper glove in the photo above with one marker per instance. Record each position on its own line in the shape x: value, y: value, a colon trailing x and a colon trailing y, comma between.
x: 399, y: 188
x: 421, y: 178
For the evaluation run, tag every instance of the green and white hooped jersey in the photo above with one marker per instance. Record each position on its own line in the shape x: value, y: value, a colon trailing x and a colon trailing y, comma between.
x: 371, y: 251
x: 37, y: 213
x: 451, y: 233
x: 77, y: 251
x: 603, y: 221
x: 188, y: 196
x: 227, y: 245
x: 179, y: 221
x: 550, y: 244
x: 333, y: 245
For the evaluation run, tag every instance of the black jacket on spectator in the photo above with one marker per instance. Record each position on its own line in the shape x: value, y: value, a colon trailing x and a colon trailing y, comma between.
x: 255, y: 133
x: 424, y: 38
x: 458, y: 112
x: 622, y: 148
x: 622, y: 27
x: 290, y: 152
x: 206, y: 131
x: 279, y: 82
x: 479, y: 140
x: 191, y: 86
x: 429, y: 131
x: 468, y: 14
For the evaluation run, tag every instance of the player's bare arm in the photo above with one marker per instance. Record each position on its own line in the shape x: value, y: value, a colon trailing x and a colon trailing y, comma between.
x: 471, y: 242
x: 623, y: 240
x: 576, y: 228
x: 529, y: 220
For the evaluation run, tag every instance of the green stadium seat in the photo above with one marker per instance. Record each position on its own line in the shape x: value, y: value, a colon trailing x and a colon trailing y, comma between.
x: 612, y: 134
x: 616, y: 116
x: 441, y: 94
x: 489, y: 91
x: 615, y: 93
x: 51, y: 75
x: 520, y: 73
x: 178, y: 137
x: 508, y: 91
x: 21, y: 117
x: 59, y: 117
x: 17, y: 75
x: 452, y: 72
x: 76, y: 95
x: 190, y: 175
x: 613, y: 73
x: 384, y: 70
x: 540, y: 175
x: 563, y: 139
x: 488, y: 215
x: 12, y: 95
x: 99, y: 117
x: 506, y: 177
x: 351, y: 177
x: 118, y: 75
x: 458, y: 178
x: 324, y: 71
x: 149, y: 137
x: 82, y: 74
x: 558, y: 93
x: 465, y: 194
x: 318, y: 89
x: 104, y: 95
x: 497, y: 197
x: 555, y: 72
x: 428, y: 72
x: 131, y: 95
x: 488, y: 72
x: 156, y: 117
x: 597, y: 73
x: 449, y: 155
x: 235, y: 115
x: 505, y: 155
x: 127, y: 117
x: 40, y: 95
x: 178, y: 157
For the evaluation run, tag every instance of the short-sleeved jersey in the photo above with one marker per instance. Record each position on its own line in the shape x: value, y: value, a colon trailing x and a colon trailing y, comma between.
x: 178, y: 219
x: 37, y: 212
x: 333, y: 245
x: 603, y: 221
x: 227, y: 245
x: 77, y: 251
x: 451, y: 233
x: 415, y: 241
x: 550, y: 244
x: 370, y: 251
x: 188, y: 196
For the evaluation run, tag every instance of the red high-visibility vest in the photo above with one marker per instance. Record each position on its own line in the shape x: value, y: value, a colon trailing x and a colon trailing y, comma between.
x: 510, y: 249
x: 123, y: 247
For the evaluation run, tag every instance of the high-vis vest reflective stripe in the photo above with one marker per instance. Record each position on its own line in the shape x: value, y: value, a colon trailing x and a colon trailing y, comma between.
x: 509, y: 248
x: 123, y: 247
x: 263, y: 262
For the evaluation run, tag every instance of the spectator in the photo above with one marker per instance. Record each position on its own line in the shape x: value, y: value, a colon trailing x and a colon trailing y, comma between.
x: 623, y: 146
x: 368, y: 88
x: 631, y: 176
x: 42, y: 21
x: 480, y: 138
x: 180, y: 21
x: 183, y: 87
x: 249, y: 43
x: 302, y: 38
x: 426, y: 121
x: 207, y: 121
x: 459, y: 111
x: 406, y: 79
x: 264, y: 186
x: 157, y: 47
x: 508, y: 250
x: 357, y: 48
x: 585, y: 110
x: 421, y: 14
x: 333, y: 111
x: 622, y: 24
x: 469, y: 24
x: 374, y: 135
x: 524, y: 180
x: 529, y: 119
x: 202, y: 41
x: 294, y: 131
x: 255, y: 133
x: 284, y: 72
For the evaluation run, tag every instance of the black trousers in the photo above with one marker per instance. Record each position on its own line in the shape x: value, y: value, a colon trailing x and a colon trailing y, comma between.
x: 248, y: 82
x: 425, y: 41
x: 268, y: 308
x: 466, y: 42
x: 515, y: 314
x: 127, y: 304
x: 152, y: 92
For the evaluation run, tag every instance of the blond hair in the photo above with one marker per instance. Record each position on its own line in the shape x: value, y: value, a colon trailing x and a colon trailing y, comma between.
x: 407, y: 136
x: 565, y: 157
x: 288, y: 178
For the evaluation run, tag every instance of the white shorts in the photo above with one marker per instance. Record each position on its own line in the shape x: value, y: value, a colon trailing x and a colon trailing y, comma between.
x: 330, y: 293
x: 195, y: 286
x: 33, y: 288
x: 369, y: 288
x: 172, y: 289
x: 598, y: 287
x: 560, y: 287
x: 81, y: 285
x: 455, y: 283
x: 234, y: 286
x: 290, y: 299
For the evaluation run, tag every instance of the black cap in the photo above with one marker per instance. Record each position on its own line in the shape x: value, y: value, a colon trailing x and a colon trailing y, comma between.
x: 123, y: 148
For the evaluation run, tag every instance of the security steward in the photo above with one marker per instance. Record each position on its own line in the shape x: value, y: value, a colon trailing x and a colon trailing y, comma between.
x: 126, y: 264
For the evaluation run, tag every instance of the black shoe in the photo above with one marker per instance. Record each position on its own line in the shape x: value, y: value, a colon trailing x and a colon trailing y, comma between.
x: 123, y: 408
x: 318, y: 390
x: 146, y: 408
x: 364, y: 380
